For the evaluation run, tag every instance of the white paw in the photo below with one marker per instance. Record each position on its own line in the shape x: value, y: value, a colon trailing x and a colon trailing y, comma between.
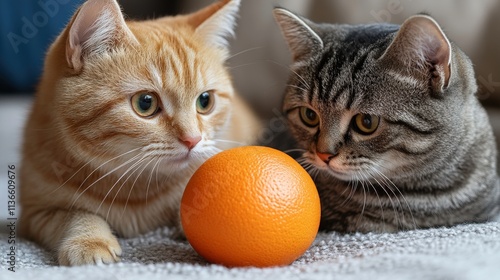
x: 90, y: 250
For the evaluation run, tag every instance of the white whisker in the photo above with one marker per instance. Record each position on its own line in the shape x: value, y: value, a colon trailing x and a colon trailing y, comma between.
x: 399, y: 191
x: 229, y: 141
x: 100, y: 178
x: 302, y: 80
x: 87, y: 163
x: 244, y: 51
x: 117, y: 181
x: 297, y: 87
x: 376, y: 193
x: 132, y: 188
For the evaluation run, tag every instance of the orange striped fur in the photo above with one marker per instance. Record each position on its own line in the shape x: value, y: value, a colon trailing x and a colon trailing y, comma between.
x: 91, y: 164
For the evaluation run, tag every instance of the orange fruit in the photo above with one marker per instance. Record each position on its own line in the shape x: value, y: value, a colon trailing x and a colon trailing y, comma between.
x: 250, y: 206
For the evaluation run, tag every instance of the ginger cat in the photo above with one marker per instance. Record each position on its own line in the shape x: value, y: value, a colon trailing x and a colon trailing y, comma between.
x: 124, y: 114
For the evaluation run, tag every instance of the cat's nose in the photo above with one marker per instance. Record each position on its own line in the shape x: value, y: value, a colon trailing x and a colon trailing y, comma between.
x: 190, y: 141
x: 325, y: 157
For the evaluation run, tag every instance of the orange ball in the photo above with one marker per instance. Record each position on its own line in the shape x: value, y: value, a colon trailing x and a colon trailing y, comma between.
x: 250, y: 206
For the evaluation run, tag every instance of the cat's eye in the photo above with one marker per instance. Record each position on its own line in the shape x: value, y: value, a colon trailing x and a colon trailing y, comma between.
x: 205, y: 103
x: 309, y: 117
x: 145, y: 104
x: 365, y: 124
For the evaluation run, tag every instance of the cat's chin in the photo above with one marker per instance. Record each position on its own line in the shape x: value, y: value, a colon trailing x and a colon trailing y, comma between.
x: 176, y: 164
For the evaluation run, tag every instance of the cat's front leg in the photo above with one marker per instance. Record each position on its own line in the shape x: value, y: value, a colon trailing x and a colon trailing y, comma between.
x: 87, y: 240
x: 77, y: 237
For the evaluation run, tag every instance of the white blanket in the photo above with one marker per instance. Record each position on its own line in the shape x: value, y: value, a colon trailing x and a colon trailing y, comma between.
x: 461, y: 252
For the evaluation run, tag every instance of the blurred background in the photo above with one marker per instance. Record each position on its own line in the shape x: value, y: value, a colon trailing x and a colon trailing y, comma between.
x: 260, y: 57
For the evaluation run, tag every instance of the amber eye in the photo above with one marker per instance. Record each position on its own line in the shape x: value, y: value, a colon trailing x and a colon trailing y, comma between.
x: 365, y: 124
x: 309, y: 117
x: 205, y: 103
x: 145, y: 104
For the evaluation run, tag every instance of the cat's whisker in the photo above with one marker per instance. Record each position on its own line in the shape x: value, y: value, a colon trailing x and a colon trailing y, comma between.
x: 394, y: 186
x: 149, y: 179
x: 103, y: 164
x: 297, y: 87
x: 74, y: 174
x: 244, y: 51
x: 302, y: 80
x: 356, y: 181
x: 119, y: 189
x: 117, y: 181
x: 381, y: 205
x: 257, y: 62
x: 303, y: 161
x: 350, y: 196
x: 316, y: 173
x: 295, y: 150
x: 388, y: 195
x: 342, y: 194
x: 156, y: 167
x: 385, y: 185
x: 235, y: 143
x: 209, y: 152
x: 309, y: 167
x: 132, y: 188
x: 99, y: 179
x: 71, y: 177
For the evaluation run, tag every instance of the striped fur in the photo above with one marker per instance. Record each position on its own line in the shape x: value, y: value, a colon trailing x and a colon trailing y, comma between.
x: 432, y: 159
x: 91, y: 164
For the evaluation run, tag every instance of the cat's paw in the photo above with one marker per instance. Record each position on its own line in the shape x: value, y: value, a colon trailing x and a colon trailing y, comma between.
x: 82, y: 251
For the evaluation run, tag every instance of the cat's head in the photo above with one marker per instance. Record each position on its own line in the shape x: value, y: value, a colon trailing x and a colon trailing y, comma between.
x: 376, y: 100
x: 155, y: 89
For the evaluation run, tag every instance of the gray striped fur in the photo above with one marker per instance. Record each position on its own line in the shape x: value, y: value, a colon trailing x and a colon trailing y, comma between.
x: 432, y: 160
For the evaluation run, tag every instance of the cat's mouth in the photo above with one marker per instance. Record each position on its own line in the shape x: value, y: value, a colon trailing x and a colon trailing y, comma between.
x: 334, y: 168
x: 178, y: 160
x: 344, y: 175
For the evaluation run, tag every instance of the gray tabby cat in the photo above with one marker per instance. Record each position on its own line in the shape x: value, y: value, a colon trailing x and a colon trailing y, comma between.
x: 391, y: 129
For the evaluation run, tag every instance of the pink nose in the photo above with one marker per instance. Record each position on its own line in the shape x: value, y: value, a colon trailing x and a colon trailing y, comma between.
x: 189, y: 141
x: 325, y: 157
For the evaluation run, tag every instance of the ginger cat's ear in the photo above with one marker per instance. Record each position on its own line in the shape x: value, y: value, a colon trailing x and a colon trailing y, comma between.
x: 216, y: 22
x: 97, y: 27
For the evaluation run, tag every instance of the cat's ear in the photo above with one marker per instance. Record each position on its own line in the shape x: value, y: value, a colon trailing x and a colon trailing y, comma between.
x: 216, y: 23
x: 97, y: 27
x: 421, y: 49
x: 298, y: 33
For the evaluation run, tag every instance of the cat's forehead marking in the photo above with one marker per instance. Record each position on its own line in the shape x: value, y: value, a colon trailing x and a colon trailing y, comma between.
x: 157, y: 80
x: 156, y: 77
x: 335, y: 116
x: 405, y: 79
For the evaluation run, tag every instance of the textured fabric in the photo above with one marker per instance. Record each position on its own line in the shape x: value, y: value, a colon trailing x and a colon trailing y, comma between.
x: 461, y: 252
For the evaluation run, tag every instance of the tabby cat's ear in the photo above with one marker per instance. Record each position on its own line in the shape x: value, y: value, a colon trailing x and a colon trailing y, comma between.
x: 216, y: 22
x: 301, y: 38
x: 97, y: 27
x: 422, y: 50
